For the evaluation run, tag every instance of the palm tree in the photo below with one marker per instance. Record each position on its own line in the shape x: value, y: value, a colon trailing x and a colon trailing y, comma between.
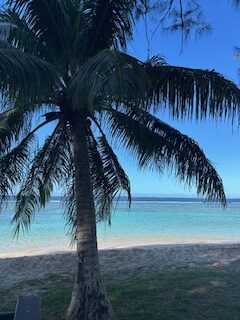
x: 65, y: 61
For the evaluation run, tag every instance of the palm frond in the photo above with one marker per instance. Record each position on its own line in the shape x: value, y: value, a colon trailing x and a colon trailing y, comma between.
x: 70, y: 202
x: 47, y: 19
x: 4, y: 44
x: 104, y: 24
x: 13, y: 123
x: 108, y: 177
x: 15, y: 30
x: 192, y: 93
x: 114, y: 77
x: 13, y: 166
x: 103, y: 199
x: 109, y: 76
x: 115, y: 173
x: 16, y: 121
x: 24, y: 75
x: 155, y: 145
x: 49, y: 167
x: 14, y: 161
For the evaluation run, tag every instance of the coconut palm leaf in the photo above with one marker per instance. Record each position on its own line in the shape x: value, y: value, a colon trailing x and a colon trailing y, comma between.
x: 108, y: 177
x: 155, y: 145
x: 13, y: 167
x: 19, y: 34
x: 50, y: 167
x: 13, y: 123
x: 70, y: 202
x: 13, y: 163
x: 47, y: 19
x: 114, y: 171
x: 192, y: 93
x: 100, y: 184
x: 114, y: 77
x: 108, y: 180
x: 16, y: 121
x: 105, y: 23
x: 24, y: 75
x: 110, y: 76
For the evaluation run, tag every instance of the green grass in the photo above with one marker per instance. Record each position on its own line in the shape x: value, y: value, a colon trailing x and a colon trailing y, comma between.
x: 185, y: 295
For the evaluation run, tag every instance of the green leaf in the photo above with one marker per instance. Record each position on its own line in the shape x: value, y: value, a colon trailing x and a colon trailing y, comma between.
x: 156, y: 145
x: 192, y: 93
x: 108, y: 77
x: 24, y: 75
x: 103, y: 24
x: 13, y: 166
x: 108, y: 177
x: 47, y: 19
x: 49, y: 167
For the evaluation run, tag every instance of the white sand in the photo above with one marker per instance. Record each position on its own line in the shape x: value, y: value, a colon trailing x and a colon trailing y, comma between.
x: 115, y: 262
x: 119, y: 244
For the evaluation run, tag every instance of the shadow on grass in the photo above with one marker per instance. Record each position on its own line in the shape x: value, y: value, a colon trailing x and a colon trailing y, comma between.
x: 185, y: 295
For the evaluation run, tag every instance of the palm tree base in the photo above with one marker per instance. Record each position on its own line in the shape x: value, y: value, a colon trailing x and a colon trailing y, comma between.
x: 89, y: 299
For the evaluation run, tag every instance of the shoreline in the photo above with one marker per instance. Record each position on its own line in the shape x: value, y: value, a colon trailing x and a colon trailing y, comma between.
x: 123, y: 261
x: 117, y: 246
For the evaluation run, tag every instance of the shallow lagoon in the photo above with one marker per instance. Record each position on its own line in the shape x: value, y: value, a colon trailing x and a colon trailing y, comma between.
x: 147, y: 222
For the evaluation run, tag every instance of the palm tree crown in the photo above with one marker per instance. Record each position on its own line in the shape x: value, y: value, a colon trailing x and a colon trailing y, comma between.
x: 66, y: 60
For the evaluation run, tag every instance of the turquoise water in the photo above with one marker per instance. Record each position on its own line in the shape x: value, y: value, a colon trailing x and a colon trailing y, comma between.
x: 147, y: 222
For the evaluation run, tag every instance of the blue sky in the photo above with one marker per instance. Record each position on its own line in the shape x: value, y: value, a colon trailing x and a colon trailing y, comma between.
x: 220, y: 142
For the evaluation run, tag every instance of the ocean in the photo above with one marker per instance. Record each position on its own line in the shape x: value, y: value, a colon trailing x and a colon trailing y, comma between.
x: 149, y: 221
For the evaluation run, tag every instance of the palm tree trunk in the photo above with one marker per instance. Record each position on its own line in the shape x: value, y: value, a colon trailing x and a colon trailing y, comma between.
x: 89, y: 299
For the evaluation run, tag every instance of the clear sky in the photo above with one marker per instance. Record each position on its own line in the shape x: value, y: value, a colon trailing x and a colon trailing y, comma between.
x: 220, y: 142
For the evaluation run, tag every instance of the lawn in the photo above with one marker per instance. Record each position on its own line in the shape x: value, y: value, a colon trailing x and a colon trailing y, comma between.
x: 185, y: 295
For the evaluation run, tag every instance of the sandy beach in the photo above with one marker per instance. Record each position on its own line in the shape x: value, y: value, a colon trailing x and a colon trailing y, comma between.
x: 117, y: 262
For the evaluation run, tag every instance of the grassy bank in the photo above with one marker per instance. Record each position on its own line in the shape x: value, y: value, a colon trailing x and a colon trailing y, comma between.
x: 189, y: 295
